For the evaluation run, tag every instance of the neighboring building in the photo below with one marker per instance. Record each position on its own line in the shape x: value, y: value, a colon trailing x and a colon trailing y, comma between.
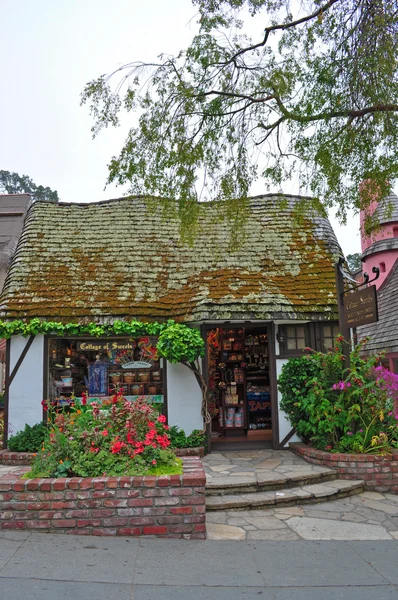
x: 381, y: 250
x: 258, y: 300
x: 13, y: 209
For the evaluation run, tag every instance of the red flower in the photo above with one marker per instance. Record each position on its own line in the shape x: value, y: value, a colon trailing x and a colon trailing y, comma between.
x: 162, y: 419
x: 117, y: 446
x: 105, y: 432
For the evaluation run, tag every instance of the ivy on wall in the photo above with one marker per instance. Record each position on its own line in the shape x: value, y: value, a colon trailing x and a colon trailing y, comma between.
x: 177, y: 342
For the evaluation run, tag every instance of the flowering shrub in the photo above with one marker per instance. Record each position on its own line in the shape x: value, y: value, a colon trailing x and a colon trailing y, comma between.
x: 339, y: 409
x: 125, y: 438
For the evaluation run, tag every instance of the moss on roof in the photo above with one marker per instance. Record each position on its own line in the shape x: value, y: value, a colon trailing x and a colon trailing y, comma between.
x: 118, y: 259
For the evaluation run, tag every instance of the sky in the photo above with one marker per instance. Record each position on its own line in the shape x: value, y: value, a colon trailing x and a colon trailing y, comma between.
x: 49, y: 50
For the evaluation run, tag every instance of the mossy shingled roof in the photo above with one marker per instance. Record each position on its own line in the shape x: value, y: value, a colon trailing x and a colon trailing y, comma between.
x: 118, y: 259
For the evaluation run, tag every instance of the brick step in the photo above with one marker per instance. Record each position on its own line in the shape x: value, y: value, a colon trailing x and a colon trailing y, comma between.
x: 306, y: 494
x: 266, y: 481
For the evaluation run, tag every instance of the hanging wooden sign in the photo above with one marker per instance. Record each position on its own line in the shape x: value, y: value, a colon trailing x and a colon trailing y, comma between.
x: 360, y: 308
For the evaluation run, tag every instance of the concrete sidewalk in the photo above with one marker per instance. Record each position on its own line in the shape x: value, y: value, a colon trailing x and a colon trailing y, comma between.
x: 62, y: 567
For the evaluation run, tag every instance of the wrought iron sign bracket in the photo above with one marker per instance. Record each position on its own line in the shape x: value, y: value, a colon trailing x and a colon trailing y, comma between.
x: 366, y: 279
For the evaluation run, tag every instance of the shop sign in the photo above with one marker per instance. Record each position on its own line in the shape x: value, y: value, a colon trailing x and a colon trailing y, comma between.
x: 255, y: 405
x: 105, y: 345
x: 360, y: 308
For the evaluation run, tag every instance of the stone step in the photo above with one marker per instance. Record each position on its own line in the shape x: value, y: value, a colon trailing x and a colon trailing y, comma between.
x: 266, y: 481
x: 305, y: 494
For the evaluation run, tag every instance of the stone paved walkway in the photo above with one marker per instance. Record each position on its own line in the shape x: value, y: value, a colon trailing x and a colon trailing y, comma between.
x: 6, y: 469
x: 246, y: 465
x: 367, y: 516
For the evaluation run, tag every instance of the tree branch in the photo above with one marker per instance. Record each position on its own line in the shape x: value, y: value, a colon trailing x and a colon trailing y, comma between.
x: 282, y: 26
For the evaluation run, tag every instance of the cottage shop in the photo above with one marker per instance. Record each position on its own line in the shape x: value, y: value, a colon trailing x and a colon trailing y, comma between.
x: 259, y: 290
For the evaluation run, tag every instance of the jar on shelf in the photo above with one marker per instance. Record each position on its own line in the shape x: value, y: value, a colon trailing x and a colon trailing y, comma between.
x: 156, y: 376
x: 136, y: 389
x: 129, y: 377
x: 116, y: 377
x: 152, y: 390
x: 143, y: 376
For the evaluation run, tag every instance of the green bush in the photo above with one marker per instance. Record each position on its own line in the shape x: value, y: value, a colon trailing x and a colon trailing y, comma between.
x: 91, y: 439
x: 178, y: 439
x: 340, y: 409
x: 28, y: 440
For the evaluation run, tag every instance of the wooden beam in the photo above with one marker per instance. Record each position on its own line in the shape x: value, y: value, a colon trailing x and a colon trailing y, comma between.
x: 20, y: 361
x: 287, y: 437
x: 344, y: 329
x: 5, y: 435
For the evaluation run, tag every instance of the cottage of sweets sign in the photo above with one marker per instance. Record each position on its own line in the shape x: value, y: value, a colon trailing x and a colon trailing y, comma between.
x: 360, y: 307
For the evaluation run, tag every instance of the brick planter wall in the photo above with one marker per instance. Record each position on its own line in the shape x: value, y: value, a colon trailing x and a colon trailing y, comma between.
x: 8, y: 457
x: 380, y: 473
x: 171, y: 506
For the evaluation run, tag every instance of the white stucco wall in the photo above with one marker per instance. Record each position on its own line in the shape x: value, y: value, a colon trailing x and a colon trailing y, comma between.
x: 184, y: 398
x: 284, y: 424
x: 26, y: 390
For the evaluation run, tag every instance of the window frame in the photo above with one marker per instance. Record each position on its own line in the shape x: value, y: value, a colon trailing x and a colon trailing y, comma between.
x: 333, y: 325
x: 282, y: 333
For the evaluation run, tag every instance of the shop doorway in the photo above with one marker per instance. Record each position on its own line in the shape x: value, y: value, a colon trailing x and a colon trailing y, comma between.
x: 240, y: 386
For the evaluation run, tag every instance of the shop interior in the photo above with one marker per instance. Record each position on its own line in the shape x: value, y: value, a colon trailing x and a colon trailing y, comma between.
x: 99, y: 368
x: 239, y: 383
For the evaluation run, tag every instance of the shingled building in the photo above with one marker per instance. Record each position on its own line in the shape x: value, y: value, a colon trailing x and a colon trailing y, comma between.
x: 260, y: 293
x: 380, y: 249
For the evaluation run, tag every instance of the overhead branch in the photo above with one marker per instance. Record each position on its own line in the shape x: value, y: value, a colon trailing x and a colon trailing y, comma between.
x: 282, y: 27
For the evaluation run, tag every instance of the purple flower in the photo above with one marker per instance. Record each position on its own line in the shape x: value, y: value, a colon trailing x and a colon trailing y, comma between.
x: 361, y: 431
x: 349, y: 432
x: 389, y: 414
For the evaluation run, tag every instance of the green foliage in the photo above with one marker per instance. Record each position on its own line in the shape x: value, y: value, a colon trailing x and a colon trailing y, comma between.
x: 124, y: 438
x: 354, y: 262
x: 339, y: 409
x: 179, y: 343
x: 37, y: 326
x: 178, y: 438
x: 294, y: 383
x: 30, y: 439
x: 315, y: 94
x: 12, y: 183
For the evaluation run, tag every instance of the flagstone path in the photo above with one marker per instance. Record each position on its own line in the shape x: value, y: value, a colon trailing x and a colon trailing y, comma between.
x: 366, y: 516
x: 248, y: 465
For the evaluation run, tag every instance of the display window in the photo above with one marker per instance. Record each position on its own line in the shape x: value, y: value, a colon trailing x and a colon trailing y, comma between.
x: 100, y: 367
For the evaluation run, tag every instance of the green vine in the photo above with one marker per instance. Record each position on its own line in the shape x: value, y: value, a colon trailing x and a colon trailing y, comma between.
x: 177, y: 342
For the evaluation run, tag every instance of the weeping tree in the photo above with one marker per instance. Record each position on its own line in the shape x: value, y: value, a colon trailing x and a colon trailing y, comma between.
x: 282, y: 90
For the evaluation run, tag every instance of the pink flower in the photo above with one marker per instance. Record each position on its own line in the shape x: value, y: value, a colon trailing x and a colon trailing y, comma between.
x: 154, y: 462
x: 105, y: 432
x: 162, y: 419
